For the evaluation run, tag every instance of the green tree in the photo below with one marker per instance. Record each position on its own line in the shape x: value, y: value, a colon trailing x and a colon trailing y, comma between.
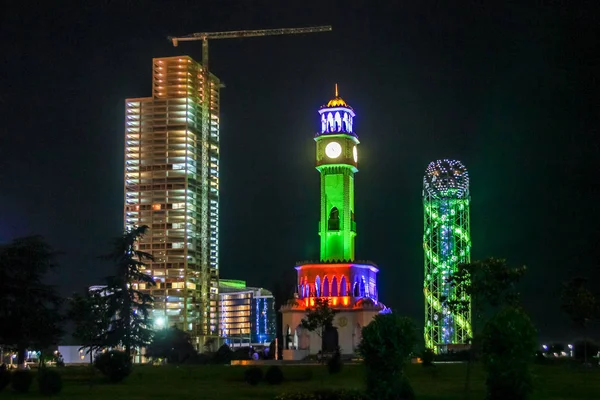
x: 581, y: 305
x: 319, y: 318
x: 29, y: 309
x: 386, y: 345
x: 89, y: 313
x: 481, y: 287
x: 508, y: 341
x: 171, y: 344
x: 129, y: 308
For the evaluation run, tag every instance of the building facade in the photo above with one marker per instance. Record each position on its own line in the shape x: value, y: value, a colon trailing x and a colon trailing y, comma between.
x: 247, y: 314
x: 446, y: 243
x: 349, y: 286
x: 172, y: 186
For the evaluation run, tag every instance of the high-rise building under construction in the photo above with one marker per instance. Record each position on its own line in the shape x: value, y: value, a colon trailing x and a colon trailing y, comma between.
x: 172, y: 186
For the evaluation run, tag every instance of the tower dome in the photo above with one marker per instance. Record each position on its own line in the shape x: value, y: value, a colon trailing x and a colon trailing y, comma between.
x: 337, y: 117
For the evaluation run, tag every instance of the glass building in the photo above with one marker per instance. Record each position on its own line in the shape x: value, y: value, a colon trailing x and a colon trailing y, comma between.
x: 247, y: 314
x: 172, y: 186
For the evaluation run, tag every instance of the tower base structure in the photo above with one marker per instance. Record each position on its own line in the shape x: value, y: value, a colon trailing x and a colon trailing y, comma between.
x: 351, y: 290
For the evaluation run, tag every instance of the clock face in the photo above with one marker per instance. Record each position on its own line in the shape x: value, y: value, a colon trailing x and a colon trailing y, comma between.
x: 355, y: 154
x: 333, y: 150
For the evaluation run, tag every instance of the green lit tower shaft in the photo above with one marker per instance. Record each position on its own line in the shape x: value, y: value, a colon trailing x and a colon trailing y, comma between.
x: 446, y: 243
x: 337, y: 162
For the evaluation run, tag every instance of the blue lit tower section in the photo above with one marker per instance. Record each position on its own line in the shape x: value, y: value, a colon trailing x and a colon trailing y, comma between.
x: 446, y: 243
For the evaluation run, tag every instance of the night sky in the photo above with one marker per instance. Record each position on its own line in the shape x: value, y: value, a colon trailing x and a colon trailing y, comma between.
x: 512, y: 91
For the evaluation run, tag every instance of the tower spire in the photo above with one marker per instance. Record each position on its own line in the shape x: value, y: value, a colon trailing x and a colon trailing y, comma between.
x: 336, y: 90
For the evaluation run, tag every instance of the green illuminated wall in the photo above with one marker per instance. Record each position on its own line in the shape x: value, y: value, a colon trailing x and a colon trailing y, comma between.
x: 337, y: 192
x: 446, y: 244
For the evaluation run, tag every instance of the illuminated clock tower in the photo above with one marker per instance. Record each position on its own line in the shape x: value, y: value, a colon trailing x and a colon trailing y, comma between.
x: 337, y: 162
x: 349, y: 285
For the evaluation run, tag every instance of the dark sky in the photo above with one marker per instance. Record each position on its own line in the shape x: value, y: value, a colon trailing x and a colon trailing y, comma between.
x: 511, y: 90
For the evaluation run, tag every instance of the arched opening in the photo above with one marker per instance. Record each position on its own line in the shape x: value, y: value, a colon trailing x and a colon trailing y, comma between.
x: 326, y: 287
x: 343, y: 287
x: 334, y: 287
x: 362, y: 287
x: 330, y: 123
x: 318, y: 286
x: 338, y: 121
x: 334, y: 219
x: 288, y: 337
x: 356, y: 290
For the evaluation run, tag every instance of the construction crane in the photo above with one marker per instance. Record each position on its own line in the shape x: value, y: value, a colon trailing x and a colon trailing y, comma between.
x: 206, y: 121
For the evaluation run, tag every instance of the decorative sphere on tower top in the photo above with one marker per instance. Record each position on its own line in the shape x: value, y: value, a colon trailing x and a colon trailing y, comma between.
x: 446, y: 179
x: 337, y: 117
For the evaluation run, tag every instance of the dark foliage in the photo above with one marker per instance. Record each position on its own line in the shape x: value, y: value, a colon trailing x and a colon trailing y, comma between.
x: 223, y: 355
x: 274, y: 375
x: 49, y: 381
x: 325, y: 394
x: 29, y: 307
x: 4, y: 377
x: 89, y: 313
x: 253, y: 375
x: 508, y: 341
x: 171, y: 344
x: 319, y: 319
x: 584, y: 349
x: 335, y: 364
x: 21, y: 380
x: 129, y: 308
x: 581, y: 305
x: 386, y: 345
x: 115, y: 365
x: 427, y: 358
x: 402, y: 389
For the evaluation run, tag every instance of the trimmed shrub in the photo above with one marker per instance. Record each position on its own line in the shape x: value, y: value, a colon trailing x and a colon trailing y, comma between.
x: 115, y: 365
x: 49, y: 381
x: 427, y: 357
x: 21, y: 380
x: 386, y: 345
x: 274, y: 375
x: 507, y: 342
x: 403, y: 390
x: 334, y: 364
x: 324, y: 394
x: 4, y: 377
x: 253, y: 375
x: 223, y: 355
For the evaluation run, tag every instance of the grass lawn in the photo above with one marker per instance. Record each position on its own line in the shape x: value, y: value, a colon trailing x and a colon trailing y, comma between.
x: 445, y: 381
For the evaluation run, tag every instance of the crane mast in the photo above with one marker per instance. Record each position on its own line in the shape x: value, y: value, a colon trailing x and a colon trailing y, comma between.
x: 206, y: 121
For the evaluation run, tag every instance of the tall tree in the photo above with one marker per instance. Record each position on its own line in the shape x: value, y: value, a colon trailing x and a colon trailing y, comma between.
x: 319, y: 318
x: 29, y: 309
x: 581, y: 305
x: 129, y: 308
x: 482, y: 286
x: 171, y: 344
x: 89, y: 313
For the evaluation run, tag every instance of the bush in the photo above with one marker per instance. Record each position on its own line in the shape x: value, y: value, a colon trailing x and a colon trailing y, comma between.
x: 49, y: 381
x: 507, y: 342
x: 274, y: 375
x: 21, y: 380
x: 386, y: 345
x: 324, y: 394
x: 334, y: 365
x: 403, y: 390
x: 223, y: 355
x: 115, y: 365
x: 427, y: 357
x: 253, y: 375
x: 4, y: 377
